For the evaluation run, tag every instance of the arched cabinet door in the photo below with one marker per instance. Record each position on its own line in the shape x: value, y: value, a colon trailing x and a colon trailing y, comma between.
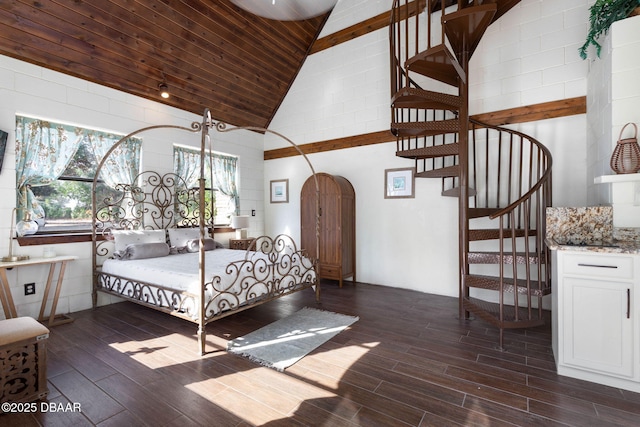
x: 337, y: 242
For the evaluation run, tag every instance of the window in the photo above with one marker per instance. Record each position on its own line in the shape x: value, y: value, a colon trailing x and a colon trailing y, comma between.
x: 55, y: 167
x: 186, y: 163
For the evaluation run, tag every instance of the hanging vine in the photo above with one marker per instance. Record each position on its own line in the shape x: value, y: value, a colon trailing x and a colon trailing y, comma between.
x: 602, y: 14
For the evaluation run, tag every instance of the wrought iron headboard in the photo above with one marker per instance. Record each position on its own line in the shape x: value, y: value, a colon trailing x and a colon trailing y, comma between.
x: 153, y: 201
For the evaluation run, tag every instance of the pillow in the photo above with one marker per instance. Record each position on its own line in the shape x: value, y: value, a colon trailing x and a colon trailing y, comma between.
x: 179, y: 237
x: 128, y: 237
x: 143, y: 250
x: 209, y: 245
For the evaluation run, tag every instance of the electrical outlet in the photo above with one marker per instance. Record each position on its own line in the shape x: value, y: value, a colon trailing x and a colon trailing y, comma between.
x: 253, y: 212
x: 29, y: 288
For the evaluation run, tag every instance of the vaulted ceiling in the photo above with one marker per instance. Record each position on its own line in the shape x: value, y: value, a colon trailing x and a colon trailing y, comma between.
x: 210, y: 53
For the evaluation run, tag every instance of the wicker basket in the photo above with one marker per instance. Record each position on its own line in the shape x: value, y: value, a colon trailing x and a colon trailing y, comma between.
x: 626, y: 155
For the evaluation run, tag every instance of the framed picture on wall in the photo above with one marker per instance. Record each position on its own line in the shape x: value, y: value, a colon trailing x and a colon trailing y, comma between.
x: 399, y: 183
x: 3, y: 146
x: 280, y: 191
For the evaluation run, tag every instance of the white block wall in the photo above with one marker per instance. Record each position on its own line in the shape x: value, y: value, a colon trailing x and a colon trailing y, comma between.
x: 613, y: 100
x: 32, y: 90
x: 529, y: 56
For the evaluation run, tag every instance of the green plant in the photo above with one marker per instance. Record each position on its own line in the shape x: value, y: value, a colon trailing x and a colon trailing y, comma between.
x: 602, y: 14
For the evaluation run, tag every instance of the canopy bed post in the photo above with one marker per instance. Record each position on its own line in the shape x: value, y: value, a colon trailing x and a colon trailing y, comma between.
x: 221, y: 127
x: 204, y: 135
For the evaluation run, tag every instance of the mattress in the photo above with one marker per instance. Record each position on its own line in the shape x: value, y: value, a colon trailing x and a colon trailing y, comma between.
x: 179, y: 271
x: 230, y: 281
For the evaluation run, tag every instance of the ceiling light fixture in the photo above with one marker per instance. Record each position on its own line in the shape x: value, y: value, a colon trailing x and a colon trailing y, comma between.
x: 164, y: 90
x: 286, y: 10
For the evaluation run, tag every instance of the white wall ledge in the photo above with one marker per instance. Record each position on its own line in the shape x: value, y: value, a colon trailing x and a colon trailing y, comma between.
x: 625, y: 198
x: 627, y: 177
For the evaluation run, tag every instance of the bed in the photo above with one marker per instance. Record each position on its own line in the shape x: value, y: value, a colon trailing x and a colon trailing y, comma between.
x: 153, y: 244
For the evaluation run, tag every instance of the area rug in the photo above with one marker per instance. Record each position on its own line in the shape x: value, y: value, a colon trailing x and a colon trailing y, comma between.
x: 284, y: 342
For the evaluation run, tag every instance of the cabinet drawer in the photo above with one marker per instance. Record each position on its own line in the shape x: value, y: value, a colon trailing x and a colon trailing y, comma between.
x: 620, y: 267
x: 329, y: 271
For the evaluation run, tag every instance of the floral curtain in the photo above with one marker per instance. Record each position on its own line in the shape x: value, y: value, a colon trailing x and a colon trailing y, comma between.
x: 123, y: 165
x: 44, y: 150
x: 224, y: 176
x: 187, y: 165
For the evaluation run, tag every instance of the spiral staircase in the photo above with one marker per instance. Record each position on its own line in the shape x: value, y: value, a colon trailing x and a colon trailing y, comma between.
x: 502, y: 178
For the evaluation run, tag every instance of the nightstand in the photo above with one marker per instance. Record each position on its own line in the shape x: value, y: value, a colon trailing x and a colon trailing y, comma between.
x: 242, y: 244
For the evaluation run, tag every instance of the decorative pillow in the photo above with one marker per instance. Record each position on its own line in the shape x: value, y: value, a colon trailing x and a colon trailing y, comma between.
x: 128, y: 237
x: 143, y: 250
x: 174, y: 250
x: 209, y: 245
x: 179, y: 237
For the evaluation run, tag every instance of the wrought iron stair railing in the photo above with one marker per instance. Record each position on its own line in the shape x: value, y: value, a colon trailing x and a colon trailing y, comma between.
x: 503, y: 176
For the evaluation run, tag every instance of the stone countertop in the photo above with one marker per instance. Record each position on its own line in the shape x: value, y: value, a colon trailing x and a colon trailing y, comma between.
x: 593, y: 223
x: 589, y: 229
x: 606, y: 247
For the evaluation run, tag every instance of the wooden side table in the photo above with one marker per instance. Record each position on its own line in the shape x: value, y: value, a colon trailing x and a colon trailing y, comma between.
x: 242, y: 244
x: 5, y: 289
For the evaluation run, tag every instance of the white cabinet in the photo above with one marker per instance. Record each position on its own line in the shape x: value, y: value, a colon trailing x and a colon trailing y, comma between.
x: 595, y: 327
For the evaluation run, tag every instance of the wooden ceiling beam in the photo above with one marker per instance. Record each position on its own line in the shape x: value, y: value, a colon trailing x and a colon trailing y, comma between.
x: 543, y: 111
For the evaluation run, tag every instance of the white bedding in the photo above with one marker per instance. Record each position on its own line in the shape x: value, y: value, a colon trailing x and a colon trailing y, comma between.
x: 236, y: 284
x: 179, y: 272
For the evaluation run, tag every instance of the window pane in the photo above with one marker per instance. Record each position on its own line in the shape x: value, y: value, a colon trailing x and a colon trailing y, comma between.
x: 224, y: 209
x: 187, y: 165
x: 84, y: 162
x: 45, y: 149
x: 67, y: 204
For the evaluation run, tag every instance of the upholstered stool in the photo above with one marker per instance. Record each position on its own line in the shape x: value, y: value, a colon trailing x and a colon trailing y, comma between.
x: 23, y: 360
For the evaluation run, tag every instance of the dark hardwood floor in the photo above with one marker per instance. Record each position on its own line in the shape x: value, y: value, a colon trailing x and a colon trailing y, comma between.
x: 407, y: 361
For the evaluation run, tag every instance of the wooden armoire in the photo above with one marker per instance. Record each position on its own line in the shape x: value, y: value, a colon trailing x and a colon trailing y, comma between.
x: 337, y: 243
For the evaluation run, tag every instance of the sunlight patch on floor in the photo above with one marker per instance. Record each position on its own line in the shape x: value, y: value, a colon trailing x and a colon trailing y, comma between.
x: 347, y: 355
x: 250, y: 396
x: 479, y: 416
x: 151, y: 353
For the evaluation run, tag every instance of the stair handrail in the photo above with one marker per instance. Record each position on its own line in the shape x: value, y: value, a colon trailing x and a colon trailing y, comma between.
x: 546, y: 176
x: 401, y: 10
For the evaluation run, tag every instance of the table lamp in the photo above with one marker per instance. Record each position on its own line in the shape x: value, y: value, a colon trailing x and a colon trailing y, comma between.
x: 11, y: 257
x: 240, y: 223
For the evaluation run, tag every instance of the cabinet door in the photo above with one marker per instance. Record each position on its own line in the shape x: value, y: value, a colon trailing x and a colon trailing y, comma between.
x: 330, y: 250
x: 308, y: 205
x: 329, y: 243
x: 598, y: 332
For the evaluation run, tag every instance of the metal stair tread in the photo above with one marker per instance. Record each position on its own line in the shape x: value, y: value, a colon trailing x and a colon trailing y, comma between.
x: 465, y: 27
x: 438, y: 63
x: 489, y: 257
x: 477, y: 234
x: 482, y: 212
x: 490, y: 312
x: 493, y: 283
x: 411, y: 97
x: 429, y: 128
x: 430, y: 152
x: 455, y: 192
x: 445, y: 172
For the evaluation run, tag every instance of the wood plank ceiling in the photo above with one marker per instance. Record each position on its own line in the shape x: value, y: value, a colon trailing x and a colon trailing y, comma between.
x: 210, y: 53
